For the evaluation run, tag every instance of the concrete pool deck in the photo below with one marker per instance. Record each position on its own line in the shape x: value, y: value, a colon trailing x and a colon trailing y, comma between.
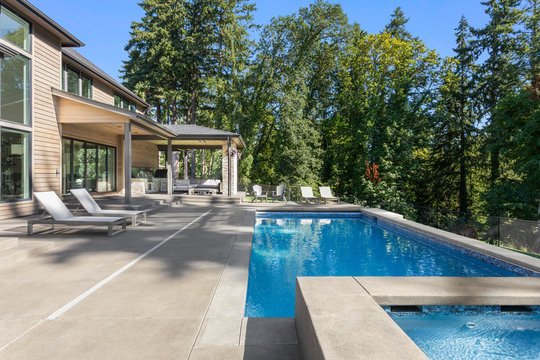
x: 184, y: 300
x: 98, y: 297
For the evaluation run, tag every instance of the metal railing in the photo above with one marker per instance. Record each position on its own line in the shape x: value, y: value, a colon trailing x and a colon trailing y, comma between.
x: 517, y: 234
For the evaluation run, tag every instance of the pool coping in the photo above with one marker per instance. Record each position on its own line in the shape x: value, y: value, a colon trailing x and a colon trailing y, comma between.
x: 342, y: 317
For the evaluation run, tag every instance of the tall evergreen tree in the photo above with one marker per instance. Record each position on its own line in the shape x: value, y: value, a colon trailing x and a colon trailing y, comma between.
x: 532, y: 26
x: 502, y: 70
x: 396, y: 26
x: 452, y: 154
x: 180, y: 49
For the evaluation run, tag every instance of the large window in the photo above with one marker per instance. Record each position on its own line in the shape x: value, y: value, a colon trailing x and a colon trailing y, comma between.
x: 14, y: 29
x: 123, y: 103
x: 76, y: 82
x: 15, y: 89
x: 14, y: 165
x: 14, y: 108
x: 88, y: 165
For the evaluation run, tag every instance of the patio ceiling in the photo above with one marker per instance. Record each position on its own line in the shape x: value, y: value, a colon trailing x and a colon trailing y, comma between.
x: 73, y: 109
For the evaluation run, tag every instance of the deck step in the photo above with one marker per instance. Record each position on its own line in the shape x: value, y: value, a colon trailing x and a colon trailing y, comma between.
x: 23, y: 251
x: 8, y: 243
x: 205, y: 199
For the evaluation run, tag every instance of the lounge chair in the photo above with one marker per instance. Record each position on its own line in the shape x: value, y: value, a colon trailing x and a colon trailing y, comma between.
x: 60, y: 214
x: 257, y: 192
x: 279, y: 193
x: 326, y: 194
x: 92, y: 207
x: 307, y: 194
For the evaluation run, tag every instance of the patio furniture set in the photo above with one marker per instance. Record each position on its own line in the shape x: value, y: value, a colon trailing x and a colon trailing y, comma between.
x: 307, y: 194
x: 56, y: 212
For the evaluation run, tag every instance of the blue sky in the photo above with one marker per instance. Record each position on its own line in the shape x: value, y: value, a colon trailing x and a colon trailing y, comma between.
x: 104, y: 25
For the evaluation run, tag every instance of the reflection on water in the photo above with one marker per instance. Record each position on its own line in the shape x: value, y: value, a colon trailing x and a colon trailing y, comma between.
x: 287, y: 247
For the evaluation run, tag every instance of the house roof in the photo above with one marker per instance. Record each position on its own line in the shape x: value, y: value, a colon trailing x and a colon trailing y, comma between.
x: 192, y: 132
x: 197, y: 130
x: 32, y: 13
x: 81, y: 60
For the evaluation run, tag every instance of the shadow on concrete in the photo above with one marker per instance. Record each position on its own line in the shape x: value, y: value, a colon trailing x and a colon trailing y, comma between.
x: 207, y: 241
x: 270, y: 338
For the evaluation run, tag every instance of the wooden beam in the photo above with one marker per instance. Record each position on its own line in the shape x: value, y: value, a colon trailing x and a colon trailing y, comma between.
x: 189, y: 147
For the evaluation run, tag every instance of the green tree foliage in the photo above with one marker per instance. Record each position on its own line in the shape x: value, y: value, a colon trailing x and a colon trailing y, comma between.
x: 518, y: 136
x: 288, y: 92
x: 384, y: 96
x: 452, y: 156
x: 502, y: 70
x: 318, y: 100
x: 183, y: 53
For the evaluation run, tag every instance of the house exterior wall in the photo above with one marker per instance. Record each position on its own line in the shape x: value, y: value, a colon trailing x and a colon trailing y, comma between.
x: 46, y: 62
x: 46, y: 132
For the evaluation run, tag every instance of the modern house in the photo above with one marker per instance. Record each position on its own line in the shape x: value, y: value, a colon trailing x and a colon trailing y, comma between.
x: 64, y: 123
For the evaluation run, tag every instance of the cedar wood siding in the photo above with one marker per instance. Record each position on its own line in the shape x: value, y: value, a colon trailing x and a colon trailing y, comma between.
x: 46, y: 146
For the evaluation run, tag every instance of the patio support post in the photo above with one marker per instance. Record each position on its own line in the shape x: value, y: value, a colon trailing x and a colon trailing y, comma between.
x: 229, y: 166
x: 169, y: 167
x: 127, y: 162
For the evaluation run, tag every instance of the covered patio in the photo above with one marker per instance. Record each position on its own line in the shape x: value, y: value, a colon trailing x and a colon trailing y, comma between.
x: 135, y: 142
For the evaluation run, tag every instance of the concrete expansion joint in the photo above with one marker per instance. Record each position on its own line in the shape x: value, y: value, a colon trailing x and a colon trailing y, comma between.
x: 363, y: 287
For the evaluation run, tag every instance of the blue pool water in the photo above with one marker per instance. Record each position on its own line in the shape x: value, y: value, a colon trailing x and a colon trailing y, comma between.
x: 288, y: 245
x: 473, y: 334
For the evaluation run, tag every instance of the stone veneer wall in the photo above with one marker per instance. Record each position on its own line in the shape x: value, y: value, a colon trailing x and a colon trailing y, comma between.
x: 225, y: 172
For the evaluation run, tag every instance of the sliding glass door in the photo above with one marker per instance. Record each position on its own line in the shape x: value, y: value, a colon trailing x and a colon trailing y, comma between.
x: 88, y: 165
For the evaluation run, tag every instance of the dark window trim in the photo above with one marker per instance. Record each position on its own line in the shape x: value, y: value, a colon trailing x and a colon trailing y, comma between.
x: 124, y: 99
x: 96, y: 144
x: 30, y: 28
x: 30, y: 166
x: 30, y: 96
x: 80, y: 73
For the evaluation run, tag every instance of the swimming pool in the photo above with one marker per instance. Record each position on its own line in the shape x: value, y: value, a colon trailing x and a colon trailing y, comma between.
x: 473, y: 332
x: 287, y: 245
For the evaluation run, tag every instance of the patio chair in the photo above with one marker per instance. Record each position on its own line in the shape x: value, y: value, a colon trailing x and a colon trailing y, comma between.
x: 60, y: 214
x: 258, y: 194
x: 92, y: 207
x: 326, y: 194
x: 307, y: 194
x: 279, y: 193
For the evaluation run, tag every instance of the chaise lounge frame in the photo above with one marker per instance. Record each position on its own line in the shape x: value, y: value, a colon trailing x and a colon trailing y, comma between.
x: 92, y: 207
x: 59, y: 214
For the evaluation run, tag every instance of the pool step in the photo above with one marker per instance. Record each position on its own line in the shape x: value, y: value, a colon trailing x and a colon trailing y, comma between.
x: 22, y: 251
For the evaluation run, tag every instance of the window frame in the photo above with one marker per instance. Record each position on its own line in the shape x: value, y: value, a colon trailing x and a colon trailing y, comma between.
x: 29, y: 166
x: 80, y: 75
x: 16, y: 124
x: 124, y: 102
x: 71, y: 164
x: 30, y: 29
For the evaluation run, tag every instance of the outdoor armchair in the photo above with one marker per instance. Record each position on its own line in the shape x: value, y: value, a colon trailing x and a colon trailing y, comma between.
x: 279, y: 193
x: 258, y: 194
x: 307, y: 194
x: 60, y: 214
x: 326, y: 194
x: 92, y: 207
